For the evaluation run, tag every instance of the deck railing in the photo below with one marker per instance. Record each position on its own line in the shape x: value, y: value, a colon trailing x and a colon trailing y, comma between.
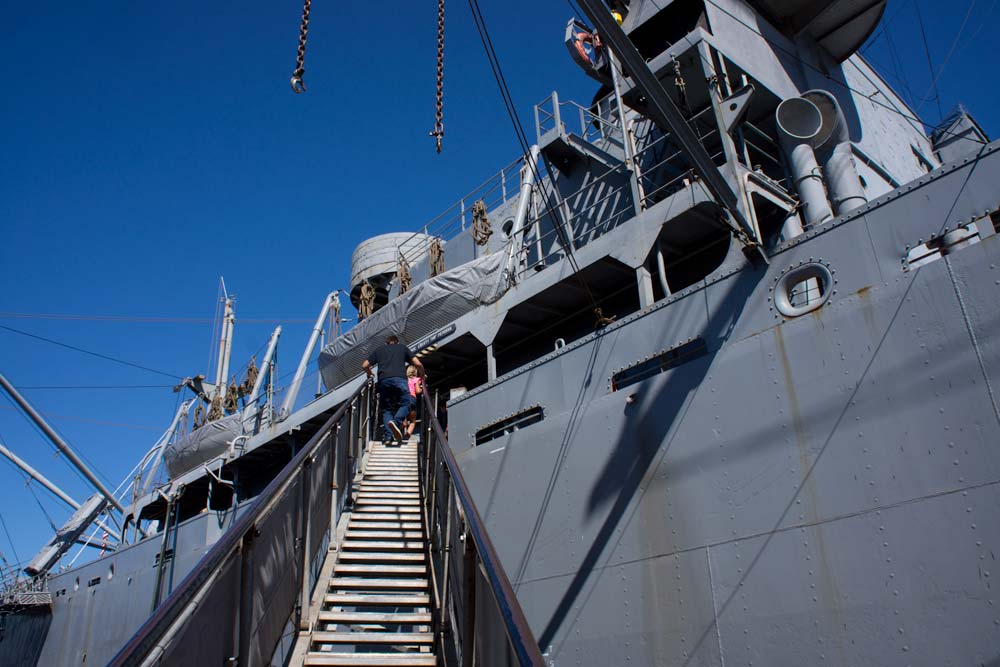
x: 252, y: 586
x: 478, y: 620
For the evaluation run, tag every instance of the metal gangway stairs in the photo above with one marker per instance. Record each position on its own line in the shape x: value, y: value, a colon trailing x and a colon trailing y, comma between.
x: 354, y: 554
x: 376, y: 606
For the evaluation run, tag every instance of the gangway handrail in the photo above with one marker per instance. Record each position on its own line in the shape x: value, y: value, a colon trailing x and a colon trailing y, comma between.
x: 441, y: 476
x: 161, y: 631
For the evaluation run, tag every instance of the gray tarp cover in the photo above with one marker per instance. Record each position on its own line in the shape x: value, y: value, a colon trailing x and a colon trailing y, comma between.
x: 202, y: 444
x: 427, y: 307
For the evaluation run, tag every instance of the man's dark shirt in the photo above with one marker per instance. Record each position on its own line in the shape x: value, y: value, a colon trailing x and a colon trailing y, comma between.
x: 391, y: 360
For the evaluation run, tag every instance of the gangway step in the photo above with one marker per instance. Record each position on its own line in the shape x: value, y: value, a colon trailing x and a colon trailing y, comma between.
x: 381, y: 570
x: 387, y: 509
x: 359, y: 534
x: 364, y: 524
x: 366, y: 582
x: 373, y: 618
x: 368, y: 545
x: 382, y: 557
x: 366, y: 515
x: 372, y: 659
x: 364, y: 599
x: 408, y: 638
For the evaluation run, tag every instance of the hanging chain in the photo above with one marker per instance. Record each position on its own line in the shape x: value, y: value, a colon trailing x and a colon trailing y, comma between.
x: 438, y: 131
x: 298, y: 85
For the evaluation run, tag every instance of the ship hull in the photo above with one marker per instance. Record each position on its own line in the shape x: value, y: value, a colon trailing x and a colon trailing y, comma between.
x: 823, y: 489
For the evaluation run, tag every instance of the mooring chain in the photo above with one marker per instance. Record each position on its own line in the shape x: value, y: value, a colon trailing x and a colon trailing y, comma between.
x: 438, y: 131
x: 298, y: 84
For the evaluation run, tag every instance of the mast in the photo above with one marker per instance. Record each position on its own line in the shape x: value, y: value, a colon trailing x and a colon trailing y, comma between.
x: 332, y: 300
x: 225, y: 348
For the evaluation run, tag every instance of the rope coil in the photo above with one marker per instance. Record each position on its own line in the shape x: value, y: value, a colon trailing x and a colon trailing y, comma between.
x: 403, y: 273
x: 436, y: 253
x: 366, y: 300
x: 481, y: 230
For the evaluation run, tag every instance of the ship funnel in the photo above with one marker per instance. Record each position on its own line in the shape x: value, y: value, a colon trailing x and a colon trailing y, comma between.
x: 833, y: 142
x: 799, y: 122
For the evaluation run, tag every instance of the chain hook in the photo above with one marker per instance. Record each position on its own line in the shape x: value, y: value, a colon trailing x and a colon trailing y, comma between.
x: 298, y: 84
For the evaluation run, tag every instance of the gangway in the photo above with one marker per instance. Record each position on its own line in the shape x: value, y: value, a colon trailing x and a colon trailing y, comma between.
x: 355, y: 554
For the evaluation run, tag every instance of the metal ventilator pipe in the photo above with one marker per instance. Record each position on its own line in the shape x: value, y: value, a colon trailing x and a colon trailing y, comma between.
x: 799, y: 122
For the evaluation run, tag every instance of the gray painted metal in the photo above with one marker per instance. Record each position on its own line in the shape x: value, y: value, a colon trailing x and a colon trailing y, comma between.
x: 59, y: 442
x: 813, y: 489
x: 666, y: 114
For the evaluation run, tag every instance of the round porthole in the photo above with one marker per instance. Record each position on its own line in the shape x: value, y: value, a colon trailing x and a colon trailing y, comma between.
x: 802, y: 289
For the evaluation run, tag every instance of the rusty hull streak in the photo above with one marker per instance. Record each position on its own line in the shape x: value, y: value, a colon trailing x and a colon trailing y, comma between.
x: 827, y: 582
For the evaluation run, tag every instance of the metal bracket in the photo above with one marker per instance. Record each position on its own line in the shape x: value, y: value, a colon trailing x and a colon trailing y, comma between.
x: 735, y: 107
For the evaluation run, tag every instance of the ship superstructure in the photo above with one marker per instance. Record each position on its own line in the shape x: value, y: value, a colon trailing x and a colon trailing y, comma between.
x: 718, y: 364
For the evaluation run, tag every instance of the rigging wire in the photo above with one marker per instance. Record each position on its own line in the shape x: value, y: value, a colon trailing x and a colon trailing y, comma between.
x: 146, y: 319
x: 96, y: 386
x: 13, y: 549
x: 53, y: 415
x: 91, y: 353
x: 27, y: 483
x: 982, y: 23
x: 947, y: 58
x: 930, y: 66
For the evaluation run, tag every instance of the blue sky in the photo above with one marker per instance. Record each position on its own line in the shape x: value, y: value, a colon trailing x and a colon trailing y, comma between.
x: 149, y: 148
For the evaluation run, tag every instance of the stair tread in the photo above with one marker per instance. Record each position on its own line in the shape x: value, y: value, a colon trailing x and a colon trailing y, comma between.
x: 388, y: 502
x: 373, y: 659
x: 383, y: 556
x: 325, y: 637
x: 380, y: 599
x: 372, y: 582
x: 374, y: 516
x: 361, y: 534
x: 381, y: 569
x: 361, y: 617
x: 386, y: 545
x: 404, y: 509
x: 355, y: 524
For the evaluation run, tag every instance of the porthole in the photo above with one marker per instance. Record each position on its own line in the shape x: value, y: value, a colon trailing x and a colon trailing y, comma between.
x: 508, y: 227
x: 802, y: 289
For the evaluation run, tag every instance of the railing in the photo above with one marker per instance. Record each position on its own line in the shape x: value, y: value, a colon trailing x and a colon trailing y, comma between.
x: 478, y: 620
x: 550, y: 112
x: 255, y: 582
x: 494, y: 191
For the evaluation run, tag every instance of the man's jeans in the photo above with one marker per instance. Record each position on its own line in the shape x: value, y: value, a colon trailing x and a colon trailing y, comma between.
x: 394, y: 391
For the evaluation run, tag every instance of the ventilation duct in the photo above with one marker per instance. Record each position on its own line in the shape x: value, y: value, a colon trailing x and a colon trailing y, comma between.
x: 799, y: 123
x: 833, y: 143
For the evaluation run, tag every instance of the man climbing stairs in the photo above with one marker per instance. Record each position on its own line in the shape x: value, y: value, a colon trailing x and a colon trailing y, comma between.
x: 376, y: 608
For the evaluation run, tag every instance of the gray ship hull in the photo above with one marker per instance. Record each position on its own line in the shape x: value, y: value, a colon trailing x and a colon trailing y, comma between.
x: 817, y: 490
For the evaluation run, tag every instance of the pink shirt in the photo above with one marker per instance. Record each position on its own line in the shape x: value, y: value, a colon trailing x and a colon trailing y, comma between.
x: 414, y: 384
